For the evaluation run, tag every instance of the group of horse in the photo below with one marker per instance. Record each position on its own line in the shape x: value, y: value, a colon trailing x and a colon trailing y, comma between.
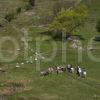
x: 68, y: 69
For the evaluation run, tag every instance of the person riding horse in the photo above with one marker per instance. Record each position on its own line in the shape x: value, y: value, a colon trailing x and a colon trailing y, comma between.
x: 78, y: 71
x: 70, y: 68
x: 81, y: 72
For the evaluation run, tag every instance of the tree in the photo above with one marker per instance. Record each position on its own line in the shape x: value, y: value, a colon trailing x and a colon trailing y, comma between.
x: 59, y: 4
x: 98, y: 26
x: 68, y: 21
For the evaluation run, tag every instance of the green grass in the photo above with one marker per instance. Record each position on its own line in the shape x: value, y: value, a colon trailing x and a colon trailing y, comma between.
x: 53, y: 87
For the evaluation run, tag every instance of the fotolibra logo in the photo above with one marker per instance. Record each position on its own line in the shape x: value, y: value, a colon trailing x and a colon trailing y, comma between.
x: 16, y: 45
x: 39, y: 42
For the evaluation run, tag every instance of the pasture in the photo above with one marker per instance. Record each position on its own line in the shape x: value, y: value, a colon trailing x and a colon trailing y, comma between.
x: 25, y: 82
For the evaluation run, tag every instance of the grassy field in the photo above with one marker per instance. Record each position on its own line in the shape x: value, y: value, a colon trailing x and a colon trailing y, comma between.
x: 25, y: 83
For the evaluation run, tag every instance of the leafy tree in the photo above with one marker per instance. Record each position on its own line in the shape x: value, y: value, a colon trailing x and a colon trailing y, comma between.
x: 69, y: 20
x: 59, y: 4
x: 98, y: 26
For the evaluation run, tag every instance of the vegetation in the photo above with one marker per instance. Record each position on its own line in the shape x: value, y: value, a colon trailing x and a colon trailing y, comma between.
x: 32, y: 2
x: 68, y: 21
x: 10, y: 16
x: 19, y: 10
x: 62, y: 5
x: 30, y: 5
x: 25, y: 83
x: 98, y: 26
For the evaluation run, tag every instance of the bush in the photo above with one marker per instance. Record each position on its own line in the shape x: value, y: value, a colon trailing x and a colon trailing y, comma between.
x: 59, y: 4
x: 0, y: 25
x: 32, y: 2
x: 97, y: 38
x: 28, y: 7
x: 10, y: 16
x: 19, y: 10
x: 98, y: 26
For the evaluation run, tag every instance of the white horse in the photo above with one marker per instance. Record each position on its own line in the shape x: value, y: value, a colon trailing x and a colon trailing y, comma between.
x: 72, y: 70
x: 44, y: 73
x: 84, y: 73
x: 79, y: 72
x: 50, y: 69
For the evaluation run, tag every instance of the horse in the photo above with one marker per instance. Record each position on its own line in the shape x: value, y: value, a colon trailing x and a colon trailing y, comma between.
x: 69, y: 68
x: 44, y: 73
x: 79, y: 71
x: 59, y: 69
x: 51, y: 69
x: 84, y: 73
x: 72, y: 70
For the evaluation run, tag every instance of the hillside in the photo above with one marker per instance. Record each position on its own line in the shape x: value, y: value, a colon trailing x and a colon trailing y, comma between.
x: 42, y: 12
x: 20, y: 79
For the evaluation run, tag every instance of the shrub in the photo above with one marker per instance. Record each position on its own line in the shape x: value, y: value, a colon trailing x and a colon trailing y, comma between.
x: 19, y: 10
x: 9, y: 17
x: 98, y: 26
x: 28, y: 7
x: 32, y: 2
x: 97, y: 38
x: 59, y: 4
